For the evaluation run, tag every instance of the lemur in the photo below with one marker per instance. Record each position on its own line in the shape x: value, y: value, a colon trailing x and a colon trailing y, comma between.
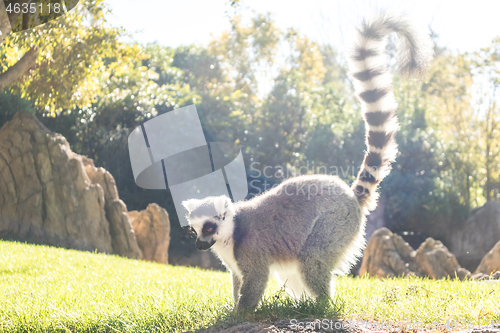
x: 310, y: 228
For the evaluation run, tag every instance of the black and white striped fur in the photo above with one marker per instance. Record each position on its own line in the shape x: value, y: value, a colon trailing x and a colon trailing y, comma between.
x: 311, y: 227
x: 373, y: 84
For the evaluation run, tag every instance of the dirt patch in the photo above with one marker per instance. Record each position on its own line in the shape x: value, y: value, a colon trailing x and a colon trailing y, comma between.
x: 338, y: 326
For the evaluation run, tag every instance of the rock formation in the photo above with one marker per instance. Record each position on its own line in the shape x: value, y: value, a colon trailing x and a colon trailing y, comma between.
x: 388, y: 255
x: 471, y: 241
x: 46, y: 196
x: 490, y: 262
x: 50, y: 195
x: 202, y: 259
x: 481, y: 276
x: 435, y: 261
x: 123, y: 239
x: 152, y: 231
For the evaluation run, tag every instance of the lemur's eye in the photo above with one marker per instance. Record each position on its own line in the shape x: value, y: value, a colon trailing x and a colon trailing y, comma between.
x: 223, y: 218
x: 209, y: 228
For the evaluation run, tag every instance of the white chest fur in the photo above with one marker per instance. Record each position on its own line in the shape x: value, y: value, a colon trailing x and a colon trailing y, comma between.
x: 226, y: 253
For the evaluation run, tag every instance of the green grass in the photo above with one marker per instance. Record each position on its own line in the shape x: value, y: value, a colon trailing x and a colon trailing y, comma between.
x: 45, y: 289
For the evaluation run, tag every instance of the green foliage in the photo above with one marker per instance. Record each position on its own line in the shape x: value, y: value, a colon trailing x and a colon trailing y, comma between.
x: 420, y: 192
x: 10, y: 104
x: 72, y: 50
x: 40, y: 12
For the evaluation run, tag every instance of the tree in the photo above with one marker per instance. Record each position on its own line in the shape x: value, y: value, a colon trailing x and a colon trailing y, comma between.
x: 450, y: 114
x: 9, y: 19
x: 55, y: 64
x: 486, y: 106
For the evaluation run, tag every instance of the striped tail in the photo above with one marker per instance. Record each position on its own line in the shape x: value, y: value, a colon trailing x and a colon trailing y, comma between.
x: 373, y: 83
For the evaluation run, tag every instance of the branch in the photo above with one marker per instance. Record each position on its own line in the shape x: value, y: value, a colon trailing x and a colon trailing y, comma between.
x: 13, y: 15
x: 5, y: 27
x: 19, y: 68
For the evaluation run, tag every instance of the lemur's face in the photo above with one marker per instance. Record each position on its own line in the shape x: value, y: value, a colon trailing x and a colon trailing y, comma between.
x: 206, y: 234
x: 212, y: 220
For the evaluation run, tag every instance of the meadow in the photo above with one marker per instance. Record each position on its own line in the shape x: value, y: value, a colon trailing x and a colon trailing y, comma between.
x: 47, y: 289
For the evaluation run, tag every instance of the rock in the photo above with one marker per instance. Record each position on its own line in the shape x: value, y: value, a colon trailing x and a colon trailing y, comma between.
x: 152, y: 231
x: 246, y: 327
x: 436, y: 261
x: 477, y: 236
x: 486, y: 277
x: 122, y: 236
x: 202, y: 259
x: 490, y: 262
x: 46, y: 196
x: 477, y: 276
x: 463, y: 273
x: 388, y: 255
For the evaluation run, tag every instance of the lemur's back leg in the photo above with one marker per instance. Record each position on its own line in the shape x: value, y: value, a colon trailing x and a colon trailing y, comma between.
x: 317, y: 275
x: 325, y: 250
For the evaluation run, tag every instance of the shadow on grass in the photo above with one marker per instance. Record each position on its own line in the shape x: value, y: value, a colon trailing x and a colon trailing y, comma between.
x: 281, y: 307
x: 17, y: 270
x: 277, y: 308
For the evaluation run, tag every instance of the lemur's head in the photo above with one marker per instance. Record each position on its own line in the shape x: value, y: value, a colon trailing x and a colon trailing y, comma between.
x: 212, y: 220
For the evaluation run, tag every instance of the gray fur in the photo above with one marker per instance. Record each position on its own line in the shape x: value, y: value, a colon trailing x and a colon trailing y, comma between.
x: 324, y: 235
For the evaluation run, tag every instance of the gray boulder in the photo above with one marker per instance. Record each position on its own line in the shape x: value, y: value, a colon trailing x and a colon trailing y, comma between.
x: 490, y: 262
x: 476, y: 237
x: 202, y: 259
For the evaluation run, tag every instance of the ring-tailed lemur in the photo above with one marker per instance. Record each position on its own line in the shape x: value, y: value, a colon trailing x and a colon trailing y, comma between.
x: 312, y: 226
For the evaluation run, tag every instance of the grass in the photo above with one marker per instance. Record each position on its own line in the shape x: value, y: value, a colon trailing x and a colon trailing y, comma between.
x: 45, y: 289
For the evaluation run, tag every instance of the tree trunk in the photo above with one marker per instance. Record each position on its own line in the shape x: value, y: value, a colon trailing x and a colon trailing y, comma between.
x: 19, y: 68
x: 488, y: 169
x: 5, y: 27
x: 467, y: 191
x: 29, y: 58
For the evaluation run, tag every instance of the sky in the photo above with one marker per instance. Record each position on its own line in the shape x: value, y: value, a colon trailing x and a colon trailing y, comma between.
x: 461, y: 25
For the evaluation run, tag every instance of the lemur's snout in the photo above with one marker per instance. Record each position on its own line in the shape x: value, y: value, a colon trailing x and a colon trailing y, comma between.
x: 203, y: 246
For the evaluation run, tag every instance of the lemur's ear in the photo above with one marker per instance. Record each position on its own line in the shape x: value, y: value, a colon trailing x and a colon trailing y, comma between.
x: 191, y: 204
x: 223, y: 206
